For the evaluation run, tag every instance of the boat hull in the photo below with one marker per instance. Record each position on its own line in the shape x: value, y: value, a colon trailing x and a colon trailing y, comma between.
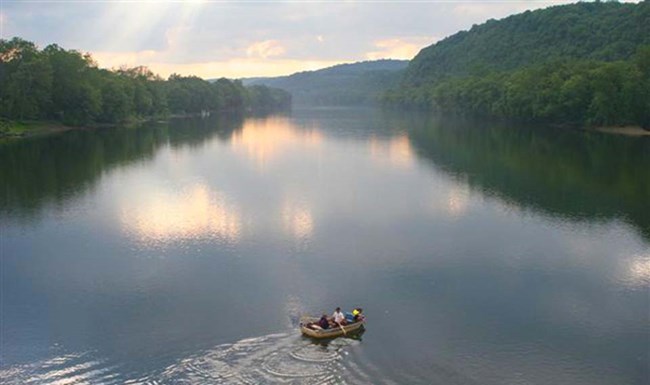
x: 328, y: 333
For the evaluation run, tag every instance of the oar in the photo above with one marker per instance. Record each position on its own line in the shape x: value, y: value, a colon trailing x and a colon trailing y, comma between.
x: 341, y: 326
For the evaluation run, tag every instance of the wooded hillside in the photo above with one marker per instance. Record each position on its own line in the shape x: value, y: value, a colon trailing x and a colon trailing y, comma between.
x: 584, y: 63
x: 360, y: 83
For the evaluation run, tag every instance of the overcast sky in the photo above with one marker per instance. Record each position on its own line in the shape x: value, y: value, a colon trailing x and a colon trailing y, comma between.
x: 235, y: 39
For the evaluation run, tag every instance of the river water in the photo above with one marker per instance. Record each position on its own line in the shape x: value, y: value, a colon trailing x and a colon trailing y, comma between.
x: 185, y: 252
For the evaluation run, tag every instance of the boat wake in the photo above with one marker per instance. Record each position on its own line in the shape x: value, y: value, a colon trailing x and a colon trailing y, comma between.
x: 268, y: 359
x: 275, y: 358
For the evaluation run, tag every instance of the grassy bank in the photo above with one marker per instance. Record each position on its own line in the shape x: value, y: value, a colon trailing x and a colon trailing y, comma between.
x: 13, y: 130
x: 624, y: 130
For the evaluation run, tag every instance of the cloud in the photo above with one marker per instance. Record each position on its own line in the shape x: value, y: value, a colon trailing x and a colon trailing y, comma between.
x: 265, y: 49
x: 3, y: 19
x: 237, y: 67
x: 399, y: 48
x: 128, y: 59
x: 479, y: 12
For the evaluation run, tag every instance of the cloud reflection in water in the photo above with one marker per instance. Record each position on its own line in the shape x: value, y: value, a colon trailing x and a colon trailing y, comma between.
x: 396, y: 151
x: 193, y: 213
x: 265, y: 140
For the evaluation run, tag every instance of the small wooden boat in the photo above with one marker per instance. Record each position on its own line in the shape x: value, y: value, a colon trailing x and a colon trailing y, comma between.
x: 332, y: 332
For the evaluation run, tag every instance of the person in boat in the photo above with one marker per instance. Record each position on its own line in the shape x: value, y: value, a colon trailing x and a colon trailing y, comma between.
x: 323, y: 322
x: 357, y: 313
x: 338, y: 317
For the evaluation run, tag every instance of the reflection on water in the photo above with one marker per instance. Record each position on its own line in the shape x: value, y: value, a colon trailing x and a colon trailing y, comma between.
x: 450, y: 201
x: 65, y: 369
x: 197, y: 212
x: 298, y: 220
x: 639, y: 271
x: 52, y: 171
x: 482, y: 254
x: 570, y: 174
x: 394, y: 151
x: 264, y: 140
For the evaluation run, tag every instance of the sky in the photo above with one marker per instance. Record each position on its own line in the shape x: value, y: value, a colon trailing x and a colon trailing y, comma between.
x: 235, y: 39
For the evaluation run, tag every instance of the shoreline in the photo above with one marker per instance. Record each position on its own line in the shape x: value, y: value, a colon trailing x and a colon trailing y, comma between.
x: 635, y: 131
x: 21, y: 130
x: 12, y: 130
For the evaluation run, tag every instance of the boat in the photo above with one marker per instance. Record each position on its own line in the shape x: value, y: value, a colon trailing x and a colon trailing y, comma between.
x: 332, y: 332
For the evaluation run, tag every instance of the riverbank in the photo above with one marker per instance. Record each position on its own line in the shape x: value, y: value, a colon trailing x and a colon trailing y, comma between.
x: 10, y: 130
x: 624, y: 130
x: 17, y: 130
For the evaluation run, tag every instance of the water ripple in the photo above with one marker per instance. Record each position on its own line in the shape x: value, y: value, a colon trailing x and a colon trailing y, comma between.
x: 276, y: 358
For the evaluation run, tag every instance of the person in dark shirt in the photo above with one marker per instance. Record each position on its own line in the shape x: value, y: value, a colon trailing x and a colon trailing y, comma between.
x: 323, y: 322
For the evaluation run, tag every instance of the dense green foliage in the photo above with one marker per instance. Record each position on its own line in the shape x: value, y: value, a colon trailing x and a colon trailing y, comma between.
x: 67, y: 86
x: 581, y: 93
x: 585, y: 63
x: 360, y: 83
x: 598, y: 31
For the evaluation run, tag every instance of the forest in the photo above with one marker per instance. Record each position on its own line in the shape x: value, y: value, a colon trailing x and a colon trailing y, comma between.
x: 66, y: 86
x: 584, y: 64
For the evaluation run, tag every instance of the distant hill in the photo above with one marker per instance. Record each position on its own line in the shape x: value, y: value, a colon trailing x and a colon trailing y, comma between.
x: 583, y: 63
x: 594, y: 30
x: 359, y: 83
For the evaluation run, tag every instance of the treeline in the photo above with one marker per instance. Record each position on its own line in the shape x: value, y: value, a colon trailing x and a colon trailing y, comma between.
x: 584, y: 63
x: 67, y: 86
x: 585, y: 93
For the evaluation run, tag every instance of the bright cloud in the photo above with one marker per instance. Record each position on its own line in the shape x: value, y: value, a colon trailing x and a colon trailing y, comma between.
x: 399, y: 48
x: 235, y: 68
x: 265, y: 49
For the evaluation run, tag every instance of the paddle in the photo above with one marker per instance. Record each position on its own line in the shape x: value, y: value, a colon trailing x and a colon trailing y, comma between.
x: 341, y: 326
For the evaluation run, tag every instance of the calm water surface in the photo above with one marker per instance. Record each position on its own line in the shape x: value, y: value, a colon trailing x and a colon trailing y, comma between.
x: 184, y: 253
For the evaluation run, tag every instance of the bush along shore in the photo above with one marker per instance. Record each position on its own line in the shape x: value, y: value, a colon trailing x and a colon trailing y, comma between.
x: 53, y: 89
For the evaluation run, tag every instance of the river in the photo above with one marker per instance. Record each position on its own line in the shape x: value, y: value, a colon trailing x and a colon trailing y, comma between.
x: 185, y: 252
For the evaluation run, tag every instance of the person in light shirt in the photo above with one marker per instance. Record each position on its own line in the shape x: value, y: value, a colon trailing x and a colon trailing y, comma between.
x: 338, y: 317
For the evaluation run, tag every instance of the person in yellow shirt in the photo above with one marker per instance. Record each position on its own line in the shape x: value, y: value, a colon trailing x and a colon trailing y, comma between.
x: 358, y: 314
